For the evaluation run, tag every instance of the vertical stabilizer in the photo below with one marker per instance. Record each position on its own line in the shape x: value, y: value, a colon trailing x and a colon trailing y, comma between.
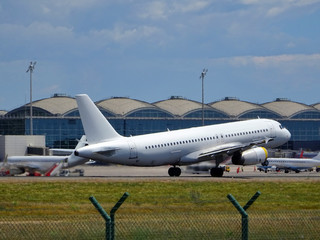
x: 96, y: 126
x: 317, y: 157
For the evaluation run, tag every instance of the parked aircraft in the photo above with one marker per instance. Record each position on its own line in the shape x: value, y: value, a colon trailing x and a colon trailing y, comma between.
x: 179, y: 147
x: 37, y: 165
x: 290, y: 164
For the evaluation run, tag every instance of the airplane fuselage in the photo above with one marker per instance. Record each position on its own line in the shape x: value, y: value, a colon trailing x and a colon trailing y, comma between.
x: 183, y: 147
x: 293, y: 164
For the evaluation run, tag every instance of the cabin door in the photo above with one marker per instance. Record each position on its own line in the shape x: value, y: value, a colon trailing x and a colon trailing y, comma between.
x: 133, y: 150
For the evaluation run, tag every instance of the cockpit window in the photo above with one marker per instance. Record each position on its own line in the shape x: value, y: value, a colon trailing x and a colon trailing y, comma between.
x: 280, y: 126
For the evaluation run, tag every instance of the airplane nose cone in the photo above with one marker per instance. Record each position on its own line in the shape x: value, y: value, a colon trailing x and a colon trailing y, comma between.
x: 287, y: 135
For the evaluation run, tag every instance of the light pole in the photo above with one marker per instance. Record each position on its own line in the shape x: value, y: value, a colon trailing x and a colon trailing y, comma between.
x: 203, y: 74
x: 30, y: 69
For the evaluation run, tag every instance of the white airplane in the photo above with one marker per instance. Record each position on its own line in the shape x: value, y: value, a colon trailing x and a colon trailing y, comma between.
x: 290, y: 164
x: 179, y: 147
x: 37, y: 165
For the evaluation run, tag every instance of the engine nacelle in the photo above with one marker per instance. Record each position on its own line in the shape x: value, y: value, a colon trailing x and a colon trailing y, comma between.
x: 250, y: 157
x: 16, y: 171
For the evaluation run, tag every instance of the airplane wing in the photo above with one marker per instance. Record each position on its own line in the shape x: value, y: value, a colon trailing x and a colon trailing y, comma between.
x: 101, y: 150
x: 224, y: 150
x: 229, y: 149
x: 60, y: 151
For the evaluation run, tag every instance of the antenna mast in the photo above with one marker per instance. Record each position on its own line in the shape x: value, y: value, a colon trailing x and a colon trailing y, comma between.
x: 203, y: 74
x: 30, y: 69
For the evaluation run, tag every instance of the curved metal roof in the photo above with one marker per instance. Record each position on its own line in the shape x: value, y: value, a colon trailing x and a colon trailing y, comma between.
x: 287, y: 108
x: 123, y: 106
x: 234, y: 107
x: 2, y: 112
x: 317, y: 106
x: 56, y: 105
x: 179, y: 106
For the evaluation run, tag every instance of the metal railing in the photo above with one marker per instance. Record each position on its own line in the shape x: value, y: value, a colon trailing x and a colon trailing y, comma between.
x: 158, y: 221
x: 152, y: 224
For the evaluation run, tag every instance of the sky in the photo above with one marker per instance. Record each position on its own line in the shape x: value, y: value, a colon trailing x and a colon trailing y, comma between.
x: 254, y: 50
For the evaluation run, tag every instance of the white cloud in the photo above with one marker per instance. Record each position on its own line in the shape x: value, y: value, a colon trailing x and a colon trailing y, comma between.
x: 191, y: 6
x: 274, y: 61
x: 125, y: 35
x: 274, y: 11
x: 155, y: 10
x: 162, y: 10
x: 35, y: 31
x: 272, y: 8
x: 65, y: 6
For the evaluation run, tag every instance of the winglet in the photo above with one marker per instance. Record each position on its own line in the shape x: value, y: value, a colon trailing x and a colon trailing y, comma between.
x: 96, y: 126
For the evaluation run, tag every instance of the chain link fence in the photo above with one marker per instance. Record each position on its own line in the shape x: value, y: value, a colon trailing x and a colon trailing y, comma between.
x: 155, y: 223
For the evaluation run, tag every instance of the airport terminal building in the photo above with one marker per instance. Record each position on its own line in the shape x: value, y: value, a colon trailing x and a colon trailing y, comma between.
x: 58, y: 118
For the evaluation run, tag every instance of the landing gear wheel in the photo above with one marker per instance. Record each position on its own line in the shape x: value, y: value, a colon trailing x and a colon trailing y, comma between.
x: 216, y: 172
x: 174, y: 172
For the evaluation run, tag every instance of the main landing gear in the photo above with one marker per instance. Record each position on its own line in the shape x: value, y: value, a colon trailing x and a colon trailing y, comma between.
x: 174, y: 171
x: 216, y: 172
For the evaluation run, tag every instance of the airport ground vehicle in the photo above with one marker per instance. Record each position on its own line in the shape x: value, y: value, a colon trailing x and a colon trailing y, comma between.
x: 74, y: 173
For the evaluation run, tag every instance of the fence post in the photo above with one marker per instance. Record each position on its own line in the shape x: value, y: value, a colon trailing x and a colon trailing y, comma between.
x: 104, y: 215
x: 113, y: 211
x: 244, y: 214
x: 110, y: 221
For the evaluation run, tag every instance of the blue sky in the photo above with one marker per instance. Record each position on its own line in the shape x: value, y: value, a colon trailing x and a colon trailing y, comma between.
x: 255, y: 50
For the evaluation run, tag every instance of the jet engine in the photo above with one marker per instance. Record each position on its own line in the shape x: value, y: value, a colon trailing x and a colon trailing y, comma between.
x: 15, y: 171
x: 250, y: 157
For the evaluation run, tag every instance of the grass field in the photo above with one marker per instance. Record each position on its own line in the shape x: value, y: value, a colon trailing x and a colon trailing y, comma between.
x: 71, y: 197
x: 49, y: 208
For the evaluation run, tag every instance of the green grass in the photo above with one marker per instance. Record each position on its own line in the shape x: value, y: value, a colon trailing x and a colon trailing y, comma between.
x: 47, y: 208
x: 72, y: 197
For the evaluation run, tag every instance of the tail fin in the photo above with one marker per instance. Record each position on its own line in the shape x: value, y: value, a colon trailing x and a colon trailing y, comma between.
x: 96, y: 126
x: 317, y: 157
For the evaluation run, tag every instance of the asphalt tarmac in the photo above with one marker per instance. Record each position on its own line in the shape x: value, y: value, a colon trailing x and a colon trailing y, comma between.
x: 128, y: 173
x: 247, y: 172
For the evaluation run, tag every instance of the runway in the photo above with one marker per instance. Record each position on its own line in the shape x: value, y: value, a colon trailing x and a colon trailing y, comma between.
x: 247, y: 172
x: 128, y: 173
